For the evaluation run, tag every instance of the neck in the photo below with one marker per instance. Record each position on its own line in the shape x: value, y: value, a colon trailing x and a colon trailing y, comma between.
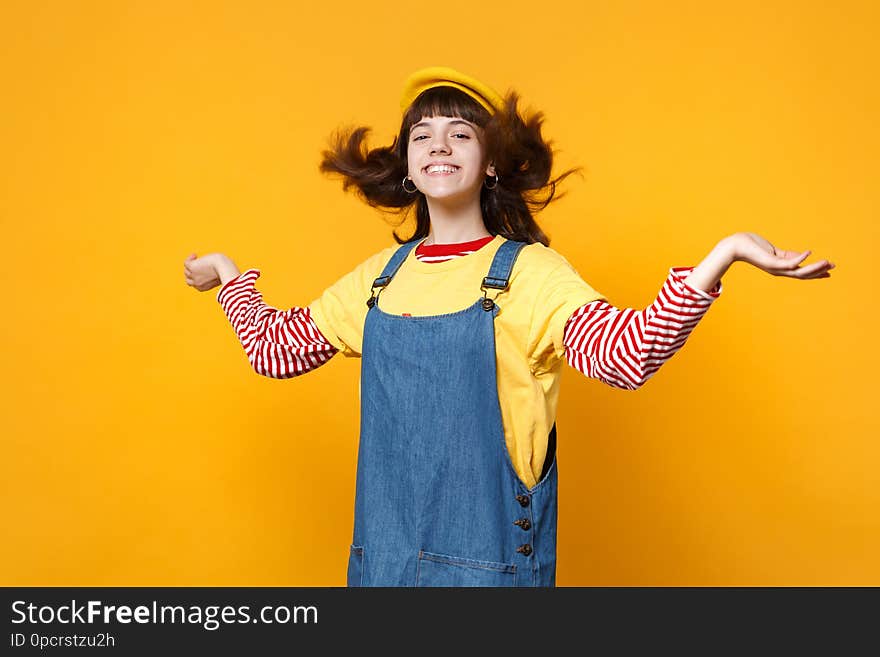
x: 453, y: 223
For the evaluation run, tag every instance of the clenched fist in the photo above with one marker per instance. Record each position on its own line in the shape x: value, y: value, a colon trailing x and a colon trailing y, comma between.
x: 201, y: 273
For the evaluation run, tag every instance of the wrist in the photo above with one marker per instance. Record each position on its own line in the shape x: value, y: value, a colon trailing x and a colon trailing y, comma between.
x: 727, y: 250
x: 707, y: 275
x: 225, y: 268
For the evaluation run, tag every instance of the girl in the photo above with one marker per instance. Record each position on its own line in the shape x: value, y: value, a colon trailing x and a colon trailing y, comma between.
x: 462, y: 330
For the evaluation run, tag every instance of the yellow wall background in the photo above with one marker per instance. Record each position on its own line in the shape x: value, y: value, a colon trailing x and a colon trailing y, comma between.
x: 139, y: 448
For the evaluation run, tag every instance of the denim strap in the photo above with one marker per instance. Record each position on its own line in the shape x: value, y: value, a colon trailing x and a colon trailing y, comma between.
x: 395, y: 263
x: 499, y: 273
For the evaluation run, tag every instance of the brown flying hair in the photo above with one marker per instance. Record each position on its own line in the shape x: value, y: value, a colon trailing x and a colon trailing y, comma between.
x: 522, y: 158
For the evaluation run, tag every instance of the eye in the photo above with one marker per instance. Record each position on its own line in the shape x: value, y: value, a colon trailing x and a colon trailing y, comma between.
x: 417, y: 137
x: 461, y: 134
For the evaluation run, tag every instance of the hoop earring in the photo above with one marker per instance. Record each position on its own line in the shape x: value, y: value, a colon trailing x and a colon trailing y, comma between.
x: 406, y: 189
x: 497, y: 178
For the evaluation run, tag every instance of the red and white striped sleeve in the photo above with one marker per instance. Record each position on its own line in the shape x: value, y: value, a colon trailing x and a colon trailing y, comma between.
x: 625, y: 347
x: 280, y: 344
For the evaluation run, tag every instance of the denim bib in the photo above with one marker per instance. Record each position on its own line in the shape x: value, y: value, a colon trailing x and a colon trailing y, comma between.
x: 438, y: 502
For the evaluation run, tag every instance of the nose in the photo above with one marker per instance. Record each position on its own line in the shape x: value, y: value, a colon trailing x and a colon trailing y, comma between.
x: 439, y: 146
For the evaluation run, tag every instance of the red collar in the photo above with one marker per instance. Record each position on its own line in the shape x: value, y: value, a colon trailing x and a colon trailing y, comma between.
x: 452, y: 249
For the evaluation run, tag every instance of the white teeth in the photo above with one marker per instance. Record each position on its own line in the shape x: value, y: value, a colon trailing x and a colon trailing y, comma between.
x: 440, y: 168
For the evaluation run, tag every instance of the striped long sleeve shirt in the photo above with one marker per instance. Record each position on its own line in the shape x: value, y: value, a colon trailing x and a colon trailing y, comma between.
x: 622, y: 348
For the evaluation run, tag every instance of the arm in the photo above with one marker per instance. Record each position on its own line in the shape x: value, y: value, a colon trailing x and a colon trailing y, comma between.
x: 279, y: 344
x: 624, y: 348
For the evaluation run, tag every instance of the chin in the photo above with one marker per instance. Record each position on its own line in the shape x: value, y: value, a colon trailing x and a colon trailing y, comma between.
x: 445, y: 197
x: 448, y: 193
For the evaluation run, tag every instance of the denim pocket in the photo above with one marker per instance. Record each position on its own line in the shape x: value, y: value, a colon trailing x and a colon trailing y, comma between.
x: 356, y: 566
x: 446, y: 570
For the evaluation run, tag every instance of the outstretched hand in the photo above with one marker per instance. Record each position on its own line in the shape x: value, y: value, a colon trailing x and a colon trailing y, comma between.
x: 755, y: 250
x: 201, y: 273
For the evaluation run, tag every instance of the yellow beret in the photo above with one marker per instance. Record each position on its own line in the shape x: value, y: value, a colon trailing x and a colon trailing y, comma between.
x: 443, y: 76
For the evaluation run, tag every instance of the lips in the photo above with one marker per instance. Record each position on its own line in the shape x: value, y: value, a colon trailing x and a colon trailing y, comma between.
x: 440, y: 172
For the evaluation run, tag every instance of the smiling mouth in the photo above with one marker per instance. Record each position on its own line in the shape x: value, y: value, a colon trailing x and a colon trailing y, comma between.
x: 433, y: 170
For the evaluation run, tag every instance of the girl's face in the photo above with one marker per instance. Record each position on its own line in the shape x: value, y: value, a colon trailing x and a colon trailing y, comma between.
x: 447, y: 158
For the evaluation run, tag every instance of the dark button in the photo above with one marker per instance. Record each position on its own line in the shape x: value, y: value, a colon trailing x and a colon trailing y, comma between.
x: 370, y: 302
x: 525, y: 549
x: 523, y: 500
x: 523, y: 523
x: 488, y: 304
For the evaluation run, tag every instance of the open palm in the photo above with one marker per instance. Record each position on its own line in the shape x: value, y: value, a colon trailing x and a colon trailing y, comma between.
x: 757, y: 251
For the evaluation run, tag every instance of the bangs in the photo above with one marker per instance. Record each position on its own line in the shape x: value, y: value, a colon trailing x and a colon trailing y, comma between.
x: 444, y: 101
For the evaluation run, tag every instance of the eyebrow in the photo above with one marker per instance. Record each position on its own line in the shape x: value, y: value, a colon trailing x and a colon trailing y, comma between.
x: 421, y: 124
